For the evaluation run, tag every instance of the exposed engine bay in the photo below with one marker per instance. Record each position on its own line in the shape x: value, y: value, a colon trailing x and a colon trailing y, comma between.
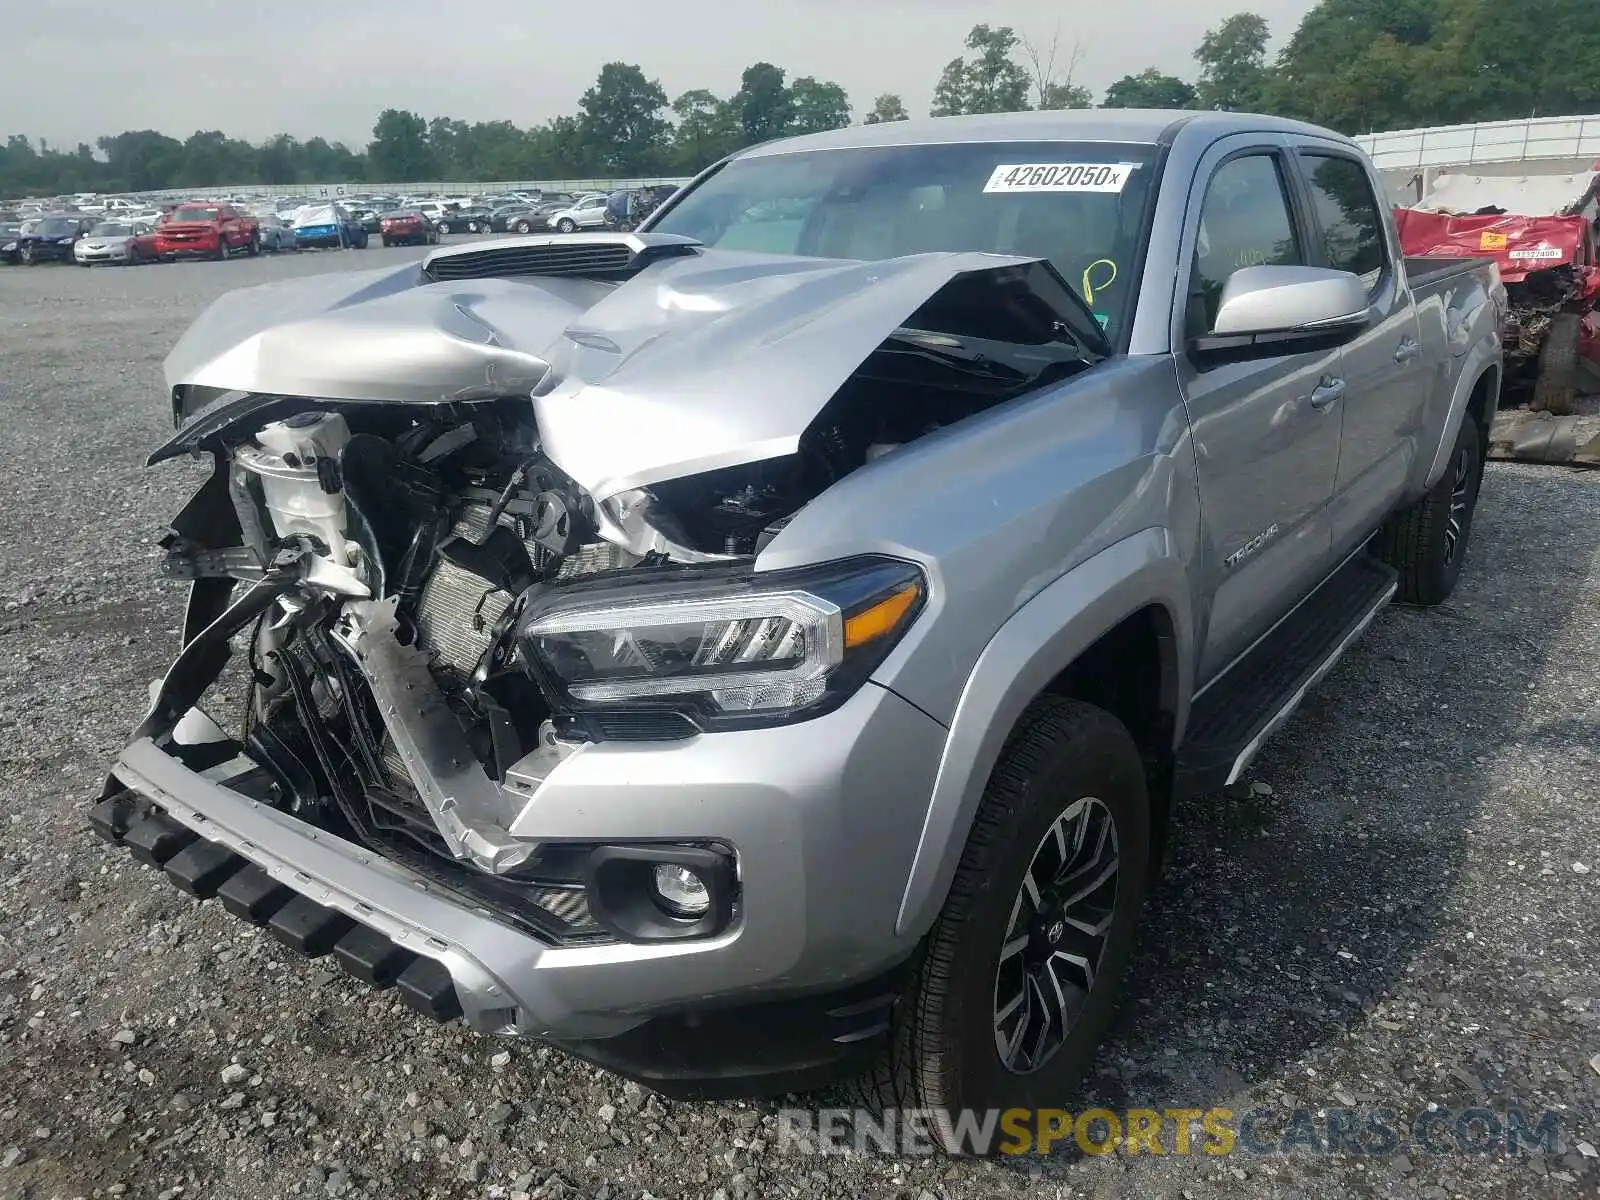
x: 436, y: 613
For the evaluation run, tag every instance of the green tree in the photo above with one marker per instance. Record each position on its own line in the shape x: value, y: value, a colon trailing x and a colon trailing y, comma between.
x: 1065, y: 95
x: 707, y: 130
x: 887, y: 107
x: 622, y: 119
x: 1150, y: 88
x: 399, y: 150
x: 1233, y: 64
x: 763, y: 105
x: 818, y: 106
x: 142, y: 159
x: 987, y: 80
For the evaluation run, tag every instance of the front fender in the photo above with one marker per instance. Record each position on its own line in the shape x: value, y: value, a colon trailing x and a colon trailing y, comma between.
x: 1034, y: 646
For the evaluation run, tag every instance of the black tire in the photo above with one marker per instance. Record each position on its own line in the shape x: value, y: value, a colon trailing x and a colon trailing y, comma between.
x: 566, y: 225
x: 27, y: 257
x: 524, y: 227
x: 387, y: 243
x: 1557, y: 385
x: 222, y: 248
x: 1427, y: 543
x: 254, y: 248
x: 943, y: 1054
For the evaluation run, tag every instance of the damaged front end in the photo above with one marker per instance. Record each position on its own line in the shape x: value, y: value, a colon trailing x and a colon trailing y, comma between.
x: 407, y: 613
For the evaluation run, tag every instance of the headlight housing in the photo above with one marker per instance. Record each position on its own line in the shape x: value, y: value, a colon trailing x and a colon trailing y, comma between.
x: 723, y: 650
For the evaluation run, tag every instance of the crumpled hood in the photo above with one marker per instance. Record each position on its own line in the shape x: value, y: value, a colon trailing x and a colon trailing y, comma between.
x: 702, y: 360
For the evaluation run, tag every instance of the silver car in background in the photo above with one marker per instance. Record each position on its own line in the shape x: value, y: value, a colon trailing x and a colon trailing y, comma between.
x: 113, y: 242
x: 276, y: 233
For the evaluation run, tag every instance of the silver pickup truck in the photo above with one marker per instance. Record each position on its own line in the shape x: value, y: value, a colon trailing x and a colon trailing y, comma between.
x: 773, y: 644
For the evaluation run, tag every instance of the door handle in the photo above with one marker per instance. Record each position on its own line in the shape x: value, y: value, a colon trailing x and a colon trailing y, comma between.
x: 1327, y: 393
x: 1407, y: 350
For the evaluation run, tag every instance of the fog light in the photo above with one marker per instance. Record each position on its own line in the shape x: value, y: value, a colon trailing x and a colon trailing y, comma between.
x: 681, y: 892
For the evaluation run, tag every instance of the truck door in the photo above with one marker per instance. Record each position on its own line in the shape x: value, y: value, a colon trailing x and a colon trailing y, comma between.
x: 1266, y: 442
x: 1386, y: 385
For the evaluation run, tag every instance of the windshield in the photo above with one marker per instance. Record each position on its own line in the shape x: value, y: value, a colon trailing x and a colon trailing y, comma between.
x: 109, y: 229
x: 1081, y: 206
x: 194, y: 213
x: 52, y: 227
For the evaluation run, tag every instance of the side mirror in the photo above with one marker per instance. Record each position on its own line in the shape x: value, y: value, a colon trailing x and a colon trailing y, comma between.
x: 1282, y: 306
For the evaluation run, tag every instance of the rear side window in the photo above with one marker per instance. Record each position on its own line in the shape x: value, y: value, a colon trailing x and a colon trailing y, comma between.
x: 1347, y: 211
x: 1245, y: 221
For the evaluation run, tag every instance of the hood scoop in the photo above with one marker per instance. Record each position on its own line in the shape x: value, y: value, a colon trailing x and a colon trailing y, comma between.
x: 585, y: 256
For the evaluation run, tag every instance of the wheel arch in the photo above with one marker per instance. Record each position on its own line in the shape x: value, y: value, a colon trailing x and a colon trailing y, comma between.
x: 1477, y: 395
x: 1115, y: 631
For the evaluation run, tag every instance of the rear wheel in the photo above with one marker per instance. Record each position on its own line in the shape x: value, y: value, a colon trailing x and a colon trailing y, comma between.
x: 1018, y: 979
x: 1557, y: 385
x: 387, y: 243
x: 254, y: 249
x: 1427, y: 543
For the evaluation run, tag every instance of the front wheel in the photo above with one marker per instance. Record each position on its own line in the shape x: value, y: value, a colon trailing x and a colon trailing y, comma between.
x: 1427, y: 543
x: 1556, y: 387
x: 524, y: 227
x: 254, y: 248
x: 566, y: 225
x: 27, y: 256
x: 1018, y: 979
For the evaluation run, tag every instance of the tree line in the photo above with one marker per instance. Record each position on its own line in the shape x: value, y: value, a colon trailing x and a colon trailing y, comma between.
x: 1355, y: 65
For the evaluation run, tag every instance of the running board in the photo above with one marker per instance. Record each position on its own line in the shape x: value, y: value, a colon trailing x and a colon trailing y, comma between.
x: 1233, y: 718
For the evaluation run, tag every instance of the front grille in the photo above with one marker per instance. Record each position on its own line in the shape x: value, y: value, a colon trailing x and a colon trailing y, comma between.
x: 334, y: 712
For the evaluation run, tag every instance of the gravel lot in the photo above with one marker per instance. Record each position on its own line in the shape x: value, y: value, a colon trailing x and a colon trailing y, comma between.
x: 1407, y: 913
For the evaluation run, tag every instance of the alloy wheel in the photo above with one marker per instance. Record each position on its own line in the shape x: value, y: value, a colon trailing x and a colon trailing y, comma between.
x: 1056, y: 937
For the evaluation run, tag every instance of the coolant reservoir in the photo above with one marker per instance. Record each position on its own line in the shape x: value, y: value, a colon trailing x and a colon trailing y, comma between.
x: 302, y: 493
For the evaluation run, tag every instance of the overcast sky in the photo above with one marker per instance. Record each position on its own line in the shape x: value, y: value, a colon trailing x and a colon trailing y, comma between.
x: 76, y: 69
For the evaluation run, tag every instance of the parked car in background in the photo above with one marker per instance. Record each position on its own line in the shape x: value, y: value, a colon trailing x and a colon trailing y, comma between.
x: 527, y: 217
x: 408, y: 227
x: 201, y: 229
x: 276, y: 233
x: 587, y: 213
x: 111, y: 242
x: 475, y: 219
x: 143, y: 244
x: 51, y: 238
x: 330, y: 226
x: 9, y: 233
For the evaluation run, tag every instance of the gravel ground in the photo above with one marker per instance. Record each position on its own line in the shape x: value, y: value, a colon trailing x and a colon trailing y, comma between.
x: 1404, y: 911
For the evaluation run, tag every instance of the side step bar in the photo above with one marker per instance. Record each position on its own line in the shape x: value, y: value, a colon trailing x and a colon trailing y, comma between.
x: 1237, y: 714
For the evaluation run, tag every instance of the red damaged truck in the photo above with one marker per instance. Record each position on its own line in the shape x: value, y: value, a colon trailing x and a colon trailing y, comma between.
x: 1548, y: 266
x: 204, y: 230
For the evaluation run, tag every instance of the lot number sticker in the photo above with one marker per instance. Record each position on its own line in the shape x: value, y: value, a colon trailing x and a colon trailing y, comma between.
x: 1060, y: 177
x: 1539, y: 254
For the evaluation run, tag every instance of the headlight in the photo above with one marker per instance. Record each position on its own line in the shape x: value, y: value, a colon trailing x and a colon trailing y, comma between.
x: 747, y: 649
x: 66, y: 241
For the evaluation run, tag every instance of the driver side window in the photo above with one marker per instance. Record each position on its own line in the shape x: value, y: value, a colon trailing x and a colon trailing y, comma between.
x: 1245, y: 221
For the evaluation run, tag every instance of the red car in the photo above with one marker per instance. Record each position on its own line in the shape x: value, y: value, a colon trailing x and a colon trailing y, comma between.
x: 203, y: 229
x: 407, y: 228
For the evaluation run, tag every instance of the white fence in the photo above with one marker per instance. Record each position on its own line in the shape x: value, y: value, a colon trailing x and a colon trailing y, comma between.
x: 433, y: 187
x: 1485, y: 143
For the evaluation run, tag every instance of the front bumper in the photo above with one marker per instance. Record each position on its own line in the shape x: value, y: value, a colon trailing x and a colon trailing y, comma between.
x: 824, y: 817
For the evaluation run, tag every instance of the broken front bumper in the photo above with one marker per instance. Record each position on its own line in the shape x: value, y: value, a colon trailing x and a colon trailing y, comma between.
x: 823, y: 818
